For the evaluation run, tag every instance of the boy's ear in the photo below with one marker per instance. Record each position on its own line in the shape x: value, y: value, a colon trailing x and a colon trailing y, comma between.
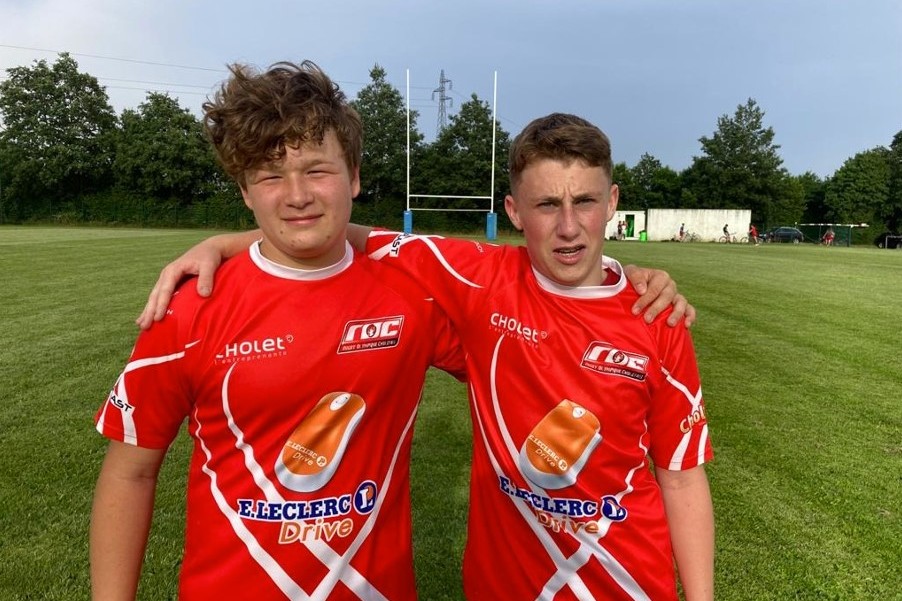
x: 355, y: 182
x: 612, y: 201
x: 510, y: 207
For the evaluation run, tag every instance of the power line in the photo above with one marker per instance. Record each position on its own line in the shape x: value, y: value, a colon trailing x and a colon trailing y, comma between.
x: 159, y: 91
x: 113, y: 58
x: 443, y: 97
x: 154, y: 83
x: 158, y: 64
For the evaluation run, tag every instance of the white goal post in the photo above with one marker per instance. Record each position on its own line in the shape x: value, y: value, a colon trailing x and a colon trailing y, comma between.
x: 491, y: 225
x: 843, y: 231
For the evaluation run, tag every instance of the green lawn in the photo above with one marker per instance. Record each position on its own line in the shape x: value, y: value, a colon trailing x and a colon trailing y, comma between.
x: 799, y: 348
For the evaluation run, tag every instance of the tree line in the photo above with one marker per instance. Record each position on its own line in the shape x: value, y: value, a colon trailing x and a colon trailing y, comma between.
x: 66, y: 156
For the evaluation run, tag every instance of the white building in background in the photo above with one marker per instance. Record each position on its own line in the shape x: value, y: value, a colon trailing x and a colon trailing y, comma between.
x: 664, y: 224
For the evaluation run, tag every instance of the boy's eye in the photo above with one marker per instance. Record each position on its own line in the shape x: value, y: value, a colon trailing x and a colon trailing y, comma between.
x: 262, y: 175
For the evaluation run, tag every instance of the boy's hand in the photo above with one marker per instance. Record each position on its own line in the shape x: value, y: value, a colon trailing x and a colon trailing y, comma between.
x: 201, y: 260
x: 657, y: 292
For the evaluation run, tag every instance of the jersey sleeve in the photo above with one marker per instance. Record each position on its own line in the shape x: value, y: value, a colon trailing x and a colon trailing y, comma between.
x: 150, y: 399
x: 449, y: 269
x: 678, y: 424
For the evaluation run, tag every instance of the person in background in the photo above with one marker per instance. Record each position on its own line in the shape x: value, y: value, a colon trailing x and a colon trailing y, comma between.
x: 753, y: 234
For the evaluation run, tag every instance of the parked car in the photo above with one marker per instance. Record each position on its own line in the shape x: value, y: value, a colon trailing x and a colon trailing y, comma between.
x: 888, y: 240
x: 784, y: 234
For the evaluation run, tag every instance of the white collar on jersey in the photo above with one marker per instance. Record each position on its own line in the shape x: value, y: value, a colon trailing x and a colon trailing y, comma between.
x: 293, y: 273
x: 586, y: 291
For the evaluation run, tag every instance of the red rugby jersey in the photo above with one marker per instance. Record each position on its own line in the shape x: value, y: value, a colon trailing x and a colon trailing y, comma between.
x: 300, y: 391
x: 572, y: 397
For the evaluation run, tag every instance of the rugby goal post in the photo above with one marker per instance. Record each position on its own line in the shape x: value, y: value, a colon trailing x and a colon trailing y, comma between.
x: 491, y: 221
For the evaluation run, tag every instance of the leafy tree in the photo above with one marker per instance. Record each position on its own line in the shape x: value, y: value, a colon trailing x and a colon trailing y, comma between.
x: 859, y: 190
x: 459, y: 162
x: 813, y: 188
x: 58, y: 132
x: 741, y: 168
x: 383, y: 172
x: 643, y: 176
x: 790, y: 201
x: 657, y: 186
x: 696, y: 179
x: 161, y: 151
x: 666, y: 189
x: 630, y: 193
x: 892, y: 210
x: 688, y: 199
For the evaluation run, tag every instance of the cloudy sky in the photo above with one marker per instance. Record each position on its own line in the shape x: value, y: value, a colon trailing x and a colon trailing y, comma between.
x: 654, y: 74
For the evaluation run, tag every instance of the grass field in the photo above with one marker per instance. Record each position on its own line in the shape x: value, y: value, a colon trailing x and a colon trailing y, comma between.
x: 800, y: 349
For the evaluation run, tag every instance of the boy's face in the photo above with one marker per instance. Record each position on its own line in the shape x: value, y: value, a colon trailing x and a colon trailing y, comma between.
x: 562, y: 209
x: 303, y: 204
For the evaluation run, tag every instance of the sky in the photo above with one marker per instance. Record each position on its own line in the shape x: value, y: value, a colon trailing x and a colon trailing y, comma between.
x: 655, y: 75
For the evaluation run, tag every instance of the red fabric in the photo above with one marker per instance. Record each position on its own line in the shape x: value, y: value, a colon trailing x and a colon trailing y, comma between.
x: 245, y: 367
x: 531, y: 346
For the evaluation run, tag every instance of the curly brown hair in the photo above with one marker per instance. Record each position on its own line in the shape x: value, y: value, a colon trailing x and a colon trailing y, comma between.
x: 254, y: 116
x: 561, y: 137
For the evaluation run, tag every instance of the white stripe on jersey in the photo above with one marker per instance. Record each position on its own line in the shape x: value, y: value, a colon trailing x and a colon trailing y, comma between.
x: 250, y: 462
x: 605, y: 524
x: 538, y: 530
x: 676, y: 460
x: 703, y: 439
x: 386, y: 249
x: 567, y: 568
x: 328, y: 583
x: 129, y: 432
x: 281, y: 579
x: 338, y: 565
x: 157, y: 360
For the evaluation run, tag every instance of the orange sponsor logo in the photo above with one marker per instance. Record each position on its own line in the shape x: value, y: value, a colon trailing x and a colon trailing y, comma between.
x: 314, y: 450
x: 559, y: 445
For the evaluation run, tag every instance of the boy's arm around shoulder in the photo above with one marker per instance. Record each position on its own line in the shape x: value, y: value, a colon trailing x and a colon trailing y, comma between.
x: 202, y: 260
x: 658, y: 291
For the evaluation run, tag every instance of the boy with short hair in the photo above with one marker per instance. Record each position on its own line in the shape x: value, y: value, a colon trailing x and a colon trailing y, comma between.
x: 572, y: 397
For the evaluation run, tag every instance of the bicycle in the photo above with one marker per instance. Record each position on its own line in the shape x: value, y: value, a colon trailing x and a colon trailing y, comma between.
x: 731, y: 239
x: 690, y: 237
